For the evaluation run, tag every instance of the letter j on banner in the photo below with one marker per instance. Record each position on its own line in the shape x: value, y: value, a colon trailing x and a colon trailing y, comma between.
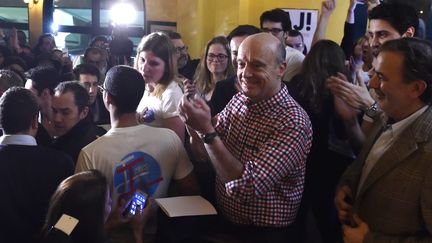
x: 305, y: 21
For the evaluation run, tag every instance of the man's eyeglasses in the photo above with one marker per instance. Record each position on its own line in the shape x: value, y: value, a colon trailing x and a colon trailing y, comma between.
x: 220, y: 57
x: 296, y: 46
x: 181, y: 49
x: 274, y: 31
x: 101, y: 87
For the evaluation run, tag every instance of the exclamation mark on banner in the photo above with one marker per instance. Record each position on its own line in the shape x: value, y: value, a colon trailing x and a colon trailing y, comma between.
x: 308, y: 21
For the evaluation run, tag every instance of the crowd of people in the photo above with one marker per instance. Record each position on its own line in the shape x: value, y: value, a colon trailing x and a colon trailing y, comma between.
x: 275, y: 135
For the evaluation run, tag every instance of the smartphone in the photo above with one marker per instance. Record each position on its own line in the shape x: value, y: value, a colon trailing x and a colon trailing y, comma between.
x: 65, y: 52
x: 138, y: 199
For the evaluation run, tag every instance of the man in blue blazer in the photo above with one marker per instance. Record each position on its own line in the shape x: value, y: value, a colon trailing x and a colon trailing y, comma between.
x: 386, y: 195
x: 29, y: 174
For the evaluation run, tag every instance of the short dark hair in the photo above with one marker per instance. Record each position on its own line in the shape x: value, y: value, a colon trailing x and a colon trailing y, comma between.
x: 417, y: 63
x: 95, y: 50
x: 243, y: 30
x: 9, y: 78
x: 126, y: 87
x: 295, y: 33
x: 172, y: 34
x: 44, y: 77
x: 18, y: 109
x: 277, y: 15
x: 97, y: 38
x: 88, y: 69
x: 400, y: 16
x: 81, y: 96
x: 82, y: 196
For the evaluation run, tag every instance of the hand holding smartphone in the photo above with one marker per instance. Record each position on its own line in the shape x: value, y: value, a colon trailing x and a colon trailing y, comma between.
x: 138, y: 199
x: 189, y: 88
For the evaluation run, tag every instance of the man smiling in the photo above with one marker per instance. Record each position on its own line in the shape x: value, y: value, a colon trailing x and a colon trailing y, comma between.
x: 385, y: 196
x: 258, y: 145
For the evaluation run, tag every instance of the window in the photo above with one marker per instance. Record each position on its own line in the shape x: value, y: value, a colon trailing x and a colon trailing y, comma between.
x: 80, y: 20
x: 13, y: 11
x: 72, y: 15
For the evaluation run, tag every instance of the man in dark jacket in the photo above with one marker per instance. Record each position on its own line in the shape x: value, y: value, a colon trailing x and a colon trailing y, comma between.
x: 73, y: 127
x: 29, y: 173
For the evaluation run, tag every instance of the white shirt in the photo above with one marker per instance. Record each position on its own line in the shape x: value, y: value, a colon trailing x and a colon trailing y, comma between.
x: 294, y: 60
x: 384, y: 141
x: 18, y: 139
x: 162, y: 108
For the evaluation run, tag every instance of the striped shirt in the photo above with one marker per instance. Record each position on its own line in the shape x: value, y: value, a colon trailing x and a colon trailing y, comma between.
x: 271, y: 138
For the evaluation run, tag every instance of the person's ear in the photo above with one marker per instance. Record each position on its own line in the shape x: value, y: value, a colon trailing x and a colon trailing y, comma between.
x: 281, y: 68
x: 45, y: 93
x: 410, y: 32
x: 285, y: 36
x: 84, y: 113
x: 108, y: 100
x: 418, y: 88
x: 35, y: 123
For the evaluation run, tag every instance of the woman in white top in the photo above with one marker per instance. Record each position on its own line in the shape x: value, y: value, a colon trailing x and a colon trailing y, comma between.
x: 155, y: 60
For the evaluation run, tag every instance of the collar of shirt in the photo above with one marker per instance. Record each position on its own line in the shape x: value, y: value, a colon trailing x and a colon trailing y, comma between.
x: 18, y: 140
x: 398, y: 127
x: 264, y: 105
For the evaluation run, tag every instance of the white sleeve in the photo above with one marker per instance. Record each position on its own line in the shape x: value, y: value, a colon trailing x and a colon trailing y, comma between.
x: 83, y: 162
x: 294, y: 60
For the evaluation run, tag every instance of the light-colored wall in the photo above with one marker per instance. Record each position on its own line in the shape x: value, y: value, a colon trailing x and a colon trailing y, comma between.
x: 35, y: 21
x: 162, y: 10
x: 200, y: 20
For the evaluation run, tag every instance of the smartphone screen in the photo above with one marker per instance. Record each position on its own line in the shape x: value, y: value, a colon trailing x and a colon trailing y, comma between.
x: 139, y: 199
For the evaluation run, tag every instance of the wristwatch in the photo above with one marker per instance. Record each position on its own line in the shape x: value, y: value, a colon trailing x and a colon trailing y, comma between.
x: 373, y: 110
x: 209, y: 137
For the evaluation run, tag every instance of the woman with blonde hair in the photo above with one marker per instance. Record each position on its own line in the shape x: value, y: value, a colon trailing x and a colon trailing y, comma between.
x: 156, y: 61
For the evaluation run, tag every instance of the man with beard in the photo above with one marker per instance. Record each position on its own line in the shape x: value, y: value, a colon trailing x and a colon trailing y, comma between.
x: 97, y: 57
x: 185, y: 65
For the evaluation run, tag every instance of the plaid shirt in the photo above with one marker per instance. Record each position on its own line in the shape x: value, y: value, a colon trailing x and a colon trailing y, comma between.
x: 271, y: 138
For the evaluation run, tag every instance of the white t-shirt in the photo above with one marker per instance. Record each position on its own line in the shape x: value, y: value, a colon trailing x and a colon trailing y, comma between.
x: 294, y: 60
x: 143, y: 157
x: 163, y: 108
x: 139, y: 157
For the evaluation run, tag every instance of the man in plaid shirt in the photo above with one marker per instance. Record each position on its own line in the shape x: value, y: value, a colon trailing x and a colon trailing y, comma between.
x: 258, y: 145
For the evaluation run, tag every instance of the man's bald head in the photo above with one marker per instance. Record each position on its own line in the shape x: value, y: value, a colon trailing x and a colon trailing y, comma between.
x: 266, y: 42
x: 261, y: 64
